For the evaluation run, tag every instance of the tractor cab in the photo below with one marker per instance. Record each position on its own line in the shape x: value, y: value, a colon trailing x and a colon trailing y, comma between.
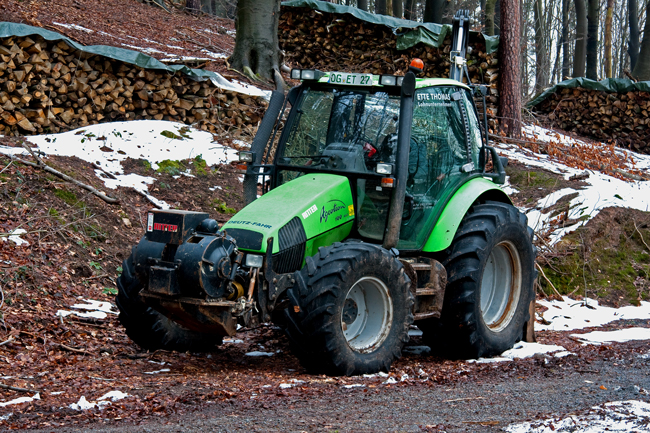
x: 341, y: 127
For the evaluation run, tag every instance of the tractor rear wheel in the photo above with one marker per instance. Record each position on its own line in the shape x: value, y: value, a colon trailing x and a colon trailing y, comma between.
x: 147, y: 327
x: 350, y: 310
x: 490, y: 269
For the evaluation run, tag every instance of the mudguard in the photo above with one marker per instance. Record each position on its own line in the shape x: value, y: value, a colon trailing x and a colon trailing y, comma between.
x: 447, y: 225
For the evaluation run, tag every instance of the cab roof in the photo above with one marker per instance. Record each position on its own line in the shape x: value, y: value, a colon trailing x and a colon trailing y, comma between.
x: 420, y: 83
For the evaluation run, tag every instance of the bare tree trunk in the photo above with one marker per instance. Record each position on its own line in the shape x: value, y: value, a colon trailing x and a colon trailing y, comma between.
x: 580, y: 57
x: 633, y: 48
x: 523, y: 57
x: 593, y: 13
x: 193, y: 6
x: 433, y: 10
x: 565, y: 40
x: 409, y: 9
x: 362, y: 4
x: 608, y: 39
x: 397, y: 8
x: 380, y: 7
x: 489, y: 16
x: 509, y: 61
x: 256, y: 51
x: 497, y: 17
x: 541, y: 73
x: 641, y: 70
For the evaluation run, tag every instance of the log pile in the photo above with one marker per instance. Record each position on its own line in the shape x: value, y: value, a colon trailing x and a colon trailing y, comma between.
x: 334, y: 42
x: 620, y: 117
x: 50, y: 87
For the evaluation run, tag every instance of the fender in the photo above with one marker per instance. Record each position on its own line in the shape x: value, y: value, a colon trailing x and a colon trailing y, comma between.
x: 447, y: 225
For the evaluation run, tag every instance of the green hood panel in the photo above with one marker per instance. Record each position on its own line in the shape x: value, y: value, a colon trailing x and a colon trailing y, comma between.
x: 321, y: 202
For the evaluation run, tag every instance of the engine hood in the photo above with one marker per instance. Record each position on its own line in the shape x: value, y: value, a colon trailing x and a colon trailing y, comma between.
x: 317, y: 203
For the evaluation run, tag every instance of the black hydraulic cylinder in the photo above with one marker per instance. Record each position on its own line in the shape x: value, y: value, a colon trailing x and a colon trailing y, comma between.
x: 401, y: 161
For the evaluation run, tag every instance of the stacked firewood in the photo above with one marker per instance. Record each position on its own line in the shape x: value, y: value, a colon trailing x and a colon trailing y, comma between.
x: 50, y: 87
x: 333, y: 42
x: 619, y: 117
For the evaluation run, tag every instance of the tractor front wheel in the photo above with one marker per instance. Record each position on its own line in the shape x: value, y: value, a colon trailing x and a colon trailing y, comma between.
x: 147, y: 327
x: 351, y: 310
x: 490, y: 269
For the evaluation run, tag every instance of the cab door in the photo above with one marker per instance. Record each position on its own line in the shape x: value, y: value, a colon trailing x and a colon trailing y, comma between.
x: 444, y: 148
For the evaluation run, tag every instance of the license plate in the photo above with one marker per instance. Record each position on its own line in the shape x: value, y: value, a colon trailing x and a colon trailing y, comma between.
x: 350, y: 79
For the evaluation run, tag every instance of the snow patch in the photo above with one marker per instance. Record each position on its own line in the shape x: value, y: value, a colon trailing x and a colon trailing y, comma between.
x: 602, y: 191
x: 73, y: 27
x: 618, y: 336
x: 522, y: 350
x: 20, y: 400
x: 162, y: 370
x: 106, y: 145
x: 257, y: 353
x: 618, y: 416
x: 97, y: 310
x: 569, y: 315
x: 14, y: 236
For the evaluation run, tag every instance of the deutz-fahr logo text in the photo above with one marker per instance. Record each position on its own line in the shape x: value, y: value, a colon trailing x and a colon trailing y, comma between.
x: 331, y: 207
x: 165, y: 227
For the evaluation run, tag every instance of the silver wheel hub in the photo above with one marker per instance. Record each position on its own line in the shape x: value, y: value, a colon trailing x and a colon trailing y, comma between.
x: 367, y: 314
x: 501, y: 286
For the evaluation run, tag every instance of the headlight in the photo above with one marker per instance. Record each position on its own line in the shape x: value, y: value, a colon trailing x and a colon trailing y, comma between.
x: 245, y: 156
x: 384, y: 168
x: 254, y: 261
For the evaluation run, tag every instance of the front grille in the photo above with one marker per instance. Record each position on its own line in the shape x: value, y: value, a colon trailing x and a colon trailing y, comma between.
x: 291, y: 242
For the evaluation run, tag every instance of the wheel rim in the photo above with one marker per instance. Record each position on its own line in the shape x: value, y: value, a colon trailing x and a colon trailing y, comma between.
x: 501, y: 286
x: 366, y: 315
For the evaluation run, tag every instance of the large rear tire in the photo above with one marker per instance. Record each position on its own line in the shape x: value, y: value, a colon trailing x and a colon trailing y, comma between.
x: 350, y: 310
x: 491, y: 274
x: 147, y: 327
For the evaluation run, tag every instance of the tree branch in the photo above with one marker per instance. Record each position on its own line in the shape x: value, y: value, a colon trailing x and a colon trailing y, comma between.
x: 15, y: 388
x: 65, y: 177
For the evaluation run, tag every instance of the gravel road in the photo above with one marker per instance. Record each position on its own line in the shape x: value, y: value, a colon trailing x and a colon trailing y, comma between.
x: 474, y: 398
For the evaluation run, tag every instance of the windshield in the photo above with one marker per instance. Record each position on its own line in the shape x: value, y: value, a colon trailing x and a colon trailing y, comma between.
x: 344, y: 130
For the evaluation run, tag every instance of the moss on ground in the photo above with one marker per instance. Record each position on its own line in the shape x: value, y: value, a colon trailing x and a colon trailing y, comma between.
x: 608, y: 258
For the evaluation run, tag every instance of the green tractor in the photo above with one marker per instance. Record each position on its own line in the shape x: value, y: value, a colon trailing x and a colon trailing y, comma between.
x: 381, y: 208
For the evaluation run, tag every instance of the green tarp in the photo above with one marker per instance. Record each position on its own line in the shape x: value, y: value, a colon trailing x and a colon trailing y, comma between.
x: 408, y: 33
x: 126, y: 56
x: 612, y: 85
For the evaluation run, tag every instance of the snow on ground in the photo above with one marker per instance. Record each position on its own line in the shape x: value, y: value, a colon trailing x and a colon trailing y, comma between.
x: 20, y: 400
x: 106, y: 145
x: 618, y: 336
x: 603, y: 190
x: 568, y: 314
x: 618, y: 416
x: 96, y: 310
x: 102, y: 401
x: 14, y: 236
x: 524, y: 350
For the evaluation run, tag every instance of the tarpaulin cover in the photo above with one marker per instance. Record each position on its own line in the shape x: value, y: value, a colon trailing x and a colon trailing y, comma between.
x: 127, y: 56
x: 612, y: 85
x: 408, y: 33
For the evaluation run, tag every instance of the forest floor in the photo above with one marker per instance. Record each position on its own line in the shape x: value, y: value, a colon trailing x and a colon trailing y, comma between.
x: 74, y: 243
